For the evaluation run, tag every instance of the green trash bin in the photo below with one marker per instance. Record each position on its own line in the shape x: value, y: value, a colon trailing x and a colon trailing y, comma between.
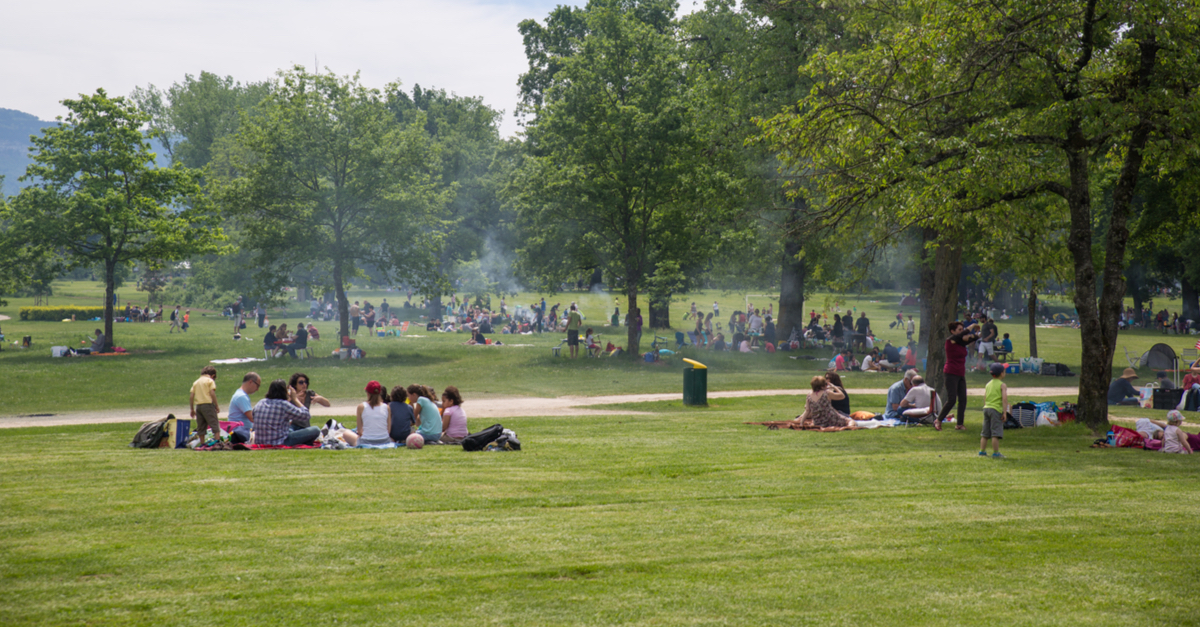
x: 695, y: 384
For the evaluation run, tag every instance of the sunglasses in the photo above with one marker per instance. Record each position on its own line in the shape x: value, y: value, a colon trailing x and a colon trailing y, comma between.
x: 302, y: 382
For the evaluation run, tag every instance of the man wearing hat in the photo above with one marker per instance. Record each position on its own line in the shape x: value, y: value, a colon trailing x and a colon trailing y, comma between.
x: 1121, y: 390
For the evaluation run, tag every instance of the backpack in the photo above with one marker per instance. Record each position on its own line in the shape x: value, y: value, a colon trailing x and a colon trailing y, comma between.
x: 151, y: 434
x: 480, y: 439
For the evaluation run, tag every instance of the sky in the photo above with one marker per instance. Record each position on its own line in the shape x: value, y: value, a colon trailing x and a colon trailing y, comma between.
x: 56, y: 49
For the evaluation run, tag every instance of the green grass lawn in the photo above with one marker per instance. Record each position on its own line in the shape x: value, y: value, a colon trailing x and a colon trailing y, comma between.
x: 680, y: 517
x: 161, y: 367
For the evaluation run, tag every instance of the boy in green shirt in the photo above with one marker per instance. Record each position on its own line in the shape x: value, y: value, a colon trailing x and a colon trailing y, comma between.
x: 995, y: 406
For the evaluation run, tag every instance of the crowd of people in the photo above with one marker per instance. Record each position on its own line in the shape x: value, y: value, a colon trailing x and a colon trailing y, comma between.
x: 412, y: 416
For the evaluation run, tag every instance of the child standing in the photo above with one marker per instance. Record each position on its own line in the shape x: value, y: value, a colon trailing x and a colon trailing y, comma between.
x: 203, y: 402
x: 1175, y: 440
x: 995, y: 406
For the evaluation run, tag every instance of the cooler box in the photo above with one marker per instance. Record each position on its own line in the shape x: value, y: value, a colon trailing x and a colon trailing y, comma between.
x: 1012, y: 369
x: 1167, y: 399
x: 59, y: 351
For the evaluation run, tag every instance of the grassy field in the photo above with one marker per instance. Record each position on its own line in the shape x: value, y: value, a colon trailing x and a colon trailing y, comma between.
x: 161, y: 367
x: 681, y: 517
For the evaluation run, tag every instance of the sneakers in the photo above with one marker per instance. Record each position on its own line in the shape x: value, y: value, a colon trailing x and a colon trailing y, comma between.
x: 983, y: 453
x: 998, y: 456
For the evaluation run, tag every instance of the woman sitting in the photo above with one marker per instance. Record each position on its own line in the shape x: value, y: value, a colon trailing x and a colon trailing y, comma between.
x: 402, y: 415
x: 819, y: 406
x: 374, y: 419
x: 454, y: 420
x: 429, y: 421
x: 842, y: 405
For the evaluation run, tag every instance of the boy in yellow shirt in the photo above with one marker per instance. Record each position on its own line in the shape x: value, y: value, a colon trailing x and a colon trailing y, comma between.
x: 204, y: 402
x: 995, y: 407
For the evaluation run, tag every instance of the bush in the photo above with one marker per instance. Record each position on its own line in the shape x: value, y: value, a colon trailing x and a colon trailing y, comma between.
x: 54, y: 314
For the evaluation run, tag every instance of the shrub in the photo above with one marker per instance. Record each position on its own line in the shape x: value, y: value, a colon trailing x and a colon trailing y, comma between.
x: 54, y: 314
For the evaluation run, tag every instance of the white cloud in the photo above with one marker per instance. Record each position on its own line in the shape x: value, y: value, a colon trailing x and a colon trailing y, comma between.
x: 57, y: 49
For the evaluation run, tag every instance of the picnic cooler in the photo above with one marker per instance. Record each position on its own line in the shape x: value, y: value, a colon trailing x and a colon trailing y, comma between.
x: 695, y: 383
x: 177, y: 432
x: 1167, y: 399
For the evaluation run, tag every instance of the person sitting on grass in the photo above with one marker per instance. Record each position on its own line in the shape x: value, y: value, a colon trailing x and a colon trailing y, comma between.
x: 454, y: 420
x: 429, y: 422
x: 1163, y: 382
x: 995, y: 407
x: 1121, y: 390
x: 818, y: 408
x: 842, y: 404
x: 719, y: 343
x: 1175, y: 440
x: 374, y: 419
x: 402, y: 415
x: 274, y: 415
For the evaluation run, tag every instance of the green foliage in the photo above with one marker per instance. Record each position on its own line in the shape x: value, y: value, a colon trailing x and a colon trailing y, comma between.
x: 615, y: 177
x: 55, y: 314
x: 322, y: 178
x: 192, y: 116
x: 95, y: 196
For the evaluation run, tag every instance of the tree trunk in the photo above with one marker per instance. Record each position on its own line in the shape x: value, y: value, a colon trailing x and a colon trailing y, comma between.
x: 1033, y: 318
x: 791, y: 288
x: 947, y: 268
x: 339, y: 289
x: 434, y: 311
x: 633, y: 346
x: 660, y: 313
x: 110, y: 290
x: 928, y: 236
x: 1191, y: 299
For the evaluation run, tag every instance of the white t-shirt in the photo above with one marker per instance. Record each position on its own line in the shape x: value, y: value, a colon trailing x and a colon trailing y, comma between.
x: 919, y: 396
x: 867, y: 362
x: 756, y: 323
x: 375, y: 422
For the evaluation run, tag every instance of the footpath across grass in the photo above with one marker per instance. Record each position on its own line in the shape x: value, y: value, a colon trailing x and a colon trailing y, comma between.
x: 681, y: 517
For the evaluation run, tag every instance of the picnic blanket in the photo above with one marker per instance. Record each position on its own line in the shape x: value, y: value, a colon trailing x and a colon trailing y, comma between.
x: 237, y: 360
x: 796, y: 425
x: 263, y: 447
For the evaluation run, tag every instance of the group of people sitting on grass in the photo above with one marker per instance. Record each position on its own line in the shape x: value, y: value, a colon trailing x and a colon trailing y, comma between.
x: 909, y: 400
x: 410, y: 416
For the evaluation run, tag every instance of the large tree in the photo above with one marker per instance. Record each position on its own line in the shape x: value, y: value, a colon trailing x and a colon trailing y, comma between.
x: 321, y: 177
x: 96, y: 197
x: 962, y: 107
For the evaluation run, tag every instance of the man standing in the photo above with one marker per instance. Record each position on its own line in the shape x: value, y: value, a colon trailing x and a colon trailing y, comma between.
x: 175, y: 321
x: 236, y: 310
x: 240, y: 408
x: 355, y: 317
x: 987, y: 340
x: 385, y: 310
x: 261, y: 312
x: 716, y: 310
x: 910, y: 327
x: 896, y: 394
x: 573, y: 323
x: 862, y: 328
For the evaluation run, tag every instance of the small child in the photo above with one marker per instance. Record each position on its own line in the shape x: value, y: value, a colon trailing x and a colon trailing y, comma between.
x: 995, y: 406
x: 186, y: 315
x: 1174, y: 439
x: 203, y: 402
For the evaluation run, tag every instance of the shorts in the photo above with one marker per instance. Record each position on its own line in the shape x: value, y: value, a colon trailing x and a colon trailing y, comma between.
x: 573, y: 337
x: 993, y: 424
x: 355, y: 321
x: 206, y: 418
x: 987, y: 347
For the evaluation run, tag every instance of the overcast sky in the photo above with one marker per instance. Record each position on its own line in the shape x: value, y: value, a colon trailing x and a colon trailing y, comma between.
x: 56, y: 49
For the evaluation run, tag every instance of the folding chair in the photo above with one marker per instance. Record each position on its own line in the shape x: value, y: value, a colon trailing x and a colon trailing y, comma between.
x: 557, y: 350
x: 680, y: 340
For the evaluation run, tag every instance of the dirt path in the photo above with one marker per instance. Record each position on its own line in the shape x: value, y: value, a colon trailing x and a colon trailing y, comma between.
x: 482, y: 408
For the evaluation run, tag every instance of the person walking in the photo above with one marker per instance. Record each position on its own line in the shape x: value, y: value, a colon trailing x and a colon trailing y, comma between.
x: 175, y: 321
x: 955, y: 371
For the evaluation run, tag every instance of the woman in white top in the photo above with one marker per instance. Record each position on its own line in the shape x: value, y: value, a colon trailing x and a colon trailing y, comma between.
x: 1174, y: 439
x: 374, y: 419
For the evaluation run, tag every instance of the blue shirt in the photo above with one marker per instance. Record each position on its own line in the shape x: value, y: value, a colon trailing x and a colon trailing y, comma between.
x: 431, y: 421
x: 1007, y: 344
x: 895, y: 394
x: 238, y: 406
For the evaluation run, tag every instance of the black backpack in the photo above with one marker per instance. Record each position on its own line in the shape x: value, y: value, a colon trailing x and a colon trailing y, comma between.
x: 480, y: 439
x: 151, y: 434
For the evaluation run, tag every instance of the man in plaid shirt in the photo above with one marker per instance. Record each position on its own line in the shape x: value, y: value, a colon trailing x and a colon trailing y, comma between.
x: 274, y: 415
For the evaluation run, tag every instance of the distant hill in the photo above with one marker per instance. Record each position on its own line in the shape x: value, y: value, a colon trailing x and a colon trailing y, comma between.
x: 15, y: 129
